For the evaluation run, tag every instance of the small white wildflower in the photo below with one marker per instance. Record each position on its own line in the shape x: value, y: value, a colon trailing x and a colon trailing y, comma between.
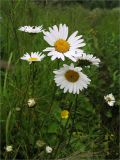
x: 110, y: 99
x: 31, y: 102
x: 31, y: 29
x: 9, y: 148
x: 48, y: 149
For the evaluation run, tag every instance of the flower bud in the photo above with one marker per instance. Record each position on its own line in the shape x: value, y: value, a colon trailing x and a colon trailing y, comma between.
x: 31, y: 102
x: 9, y: 148
x: 17, y: 109
x: 48, y: 149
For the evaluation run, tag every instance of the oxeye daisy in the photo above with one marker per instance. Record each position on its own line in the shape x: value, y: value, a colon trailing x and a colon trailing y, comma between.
x: 61, y: 45
x: 88, y: 59
x: 33, y: 57
x: 110, y: 99
x: 71, y: 79
x: 31, y: 29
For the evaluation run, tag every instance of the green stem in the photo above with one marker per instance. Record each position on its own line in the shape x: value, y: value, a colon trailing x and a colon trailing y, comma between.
x: 6, y: 73
x: 33, y: 78
x: 73, y: 120
x: 63, y: 132
x: 27, y: 87
x: 50, y: 108
x: 7, y: 127
x: 52, y: 100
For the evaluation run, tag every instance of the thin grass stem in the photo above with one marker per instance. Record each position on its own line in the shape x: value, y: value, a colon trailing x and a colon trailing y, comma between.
x: 7, y: 127
x: 6, y: 73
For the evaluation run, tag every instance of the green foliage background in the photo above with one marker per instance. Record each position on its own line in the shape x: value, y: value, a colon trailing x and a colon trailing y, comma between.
x: 96, y: 124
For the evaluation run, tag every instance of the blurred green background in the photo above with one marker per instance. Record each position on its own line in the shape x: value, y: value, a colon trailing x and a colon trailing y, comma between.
x: 97, y: 124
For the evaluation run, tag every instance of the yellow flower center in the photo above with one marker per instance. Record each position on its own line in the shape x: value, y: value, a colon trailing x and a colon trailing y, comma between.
x: 72, y: 76
x: 64, y: 114
x: 33, y: 59
x: 62, y: 46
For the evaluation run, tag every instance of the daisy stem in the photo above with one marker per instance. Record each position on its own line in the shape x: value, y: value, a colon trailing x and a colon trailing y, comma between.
x: 61, y: 138
x: 32, y: 79
x: 33, y: 76
x: 50, y: 108
x: 63, y: 132
x: 73, y: 120
x: 53, y: 97
x: 27, y: 87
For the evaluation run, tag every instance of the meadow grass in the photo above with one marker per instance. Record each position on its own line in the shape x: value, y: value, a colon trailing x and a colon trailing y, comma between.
x: 95, y: 134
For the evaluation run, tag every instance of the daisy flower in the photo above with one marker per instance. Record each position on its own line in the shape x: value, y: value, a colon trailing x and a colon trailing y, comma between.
x: 31, y: 29
x: 88, y: 59
x: 71, y: 79
x: 64, y: 114
x: 61, y: 45
x: 33, y: 57
x: 110, y: 99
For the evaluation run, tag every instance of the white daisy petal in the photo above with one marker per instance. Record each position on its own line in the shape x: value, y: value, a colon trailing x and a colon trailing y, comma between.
x: 71, y: 58
x: 65, y: 32
x: 70, y: 39
x: 49, y: 49
x: 53, y: 57
x: 49, y: 40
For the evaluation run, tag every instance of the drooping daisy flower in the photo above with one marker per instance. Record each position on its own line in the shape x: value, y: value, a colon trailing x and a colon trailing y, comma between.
x: 31, y: 102
x: 48, y: 149
x: 110, y: 99
x: 64, y: 114
x: 87, y: 59
x: 71, y: 79
x: 61, y: 45
x: 9, y: 148
x: 33, y: 57
x: 31, y: 29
